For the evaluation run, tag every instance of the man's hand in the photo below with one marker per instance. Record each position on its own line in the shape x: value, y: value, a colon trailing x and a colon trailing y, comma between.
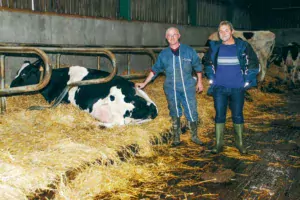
x: 148, y: 79
x: 140, y: 85
x: 199, y: 87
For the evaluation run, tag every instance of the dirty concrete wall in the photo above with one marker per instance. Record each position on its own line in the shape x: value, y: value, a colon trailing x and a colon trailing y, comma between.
x: 36, y: 28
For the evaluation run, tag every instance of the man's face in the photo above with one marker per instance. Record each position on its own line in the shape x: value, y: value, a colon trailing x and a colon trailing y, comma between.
x: 172, y: 36
x: 225, y: 33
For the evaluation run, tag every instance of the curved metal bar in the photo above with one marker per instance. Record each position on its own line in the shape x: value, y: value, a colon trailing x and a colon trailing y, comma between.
x: 151, y: 52
x: 134, y: 50
x: 88, y: 51
x: 134, y: 76
x: 30, y: 88
x: 2, y: 83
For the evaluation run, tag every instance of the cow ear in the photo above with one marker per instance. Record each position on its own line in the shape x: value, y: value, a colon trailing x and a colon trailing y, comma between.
x: 38, y: 63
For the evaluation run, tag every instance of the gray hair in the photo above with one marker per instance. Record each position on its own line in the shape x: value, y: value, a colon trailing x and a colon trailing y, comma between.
x: 171, y: 29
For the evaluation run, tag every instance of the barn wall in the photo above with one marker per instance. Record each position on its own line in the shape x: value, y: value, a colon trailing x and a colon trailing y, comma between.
x: 285, y: 36
x: 22, y: 27
x: 185, y: 12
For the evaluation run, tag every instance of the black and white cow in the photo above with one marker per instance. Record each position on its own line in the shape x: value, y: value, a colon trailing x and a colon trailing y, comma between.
x: 288, y: 57
x: 116, y: 102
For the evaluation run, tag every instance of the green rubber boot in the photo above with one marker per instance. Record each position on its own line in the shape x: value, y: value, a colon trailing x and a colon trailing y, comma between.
x: 239, y: 130
x: 176, y: 131
x: 194, y: 133
x: 219, y: 131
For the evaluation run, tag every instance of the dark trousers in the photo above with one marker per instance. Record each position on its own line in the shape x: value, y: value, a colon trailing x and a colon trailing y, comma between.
x: 232, y: 96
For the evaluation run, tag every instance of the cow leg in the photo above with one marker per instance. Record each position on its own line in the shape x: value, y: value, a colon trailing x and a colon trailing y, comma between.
x: 296, y: 65
x: 293, y: 74
x: 285, y: 70
x: 263, y: 68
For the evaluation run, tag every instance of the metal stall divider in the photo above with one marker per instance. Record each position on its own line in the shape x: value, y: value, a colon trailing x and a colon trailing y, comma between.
x: 48, y: 69
x: 23, y: 89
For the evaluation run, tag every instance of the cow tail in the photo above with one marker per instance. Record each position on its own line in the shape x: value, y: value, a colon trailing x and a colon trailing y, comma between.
x: 56, y: 102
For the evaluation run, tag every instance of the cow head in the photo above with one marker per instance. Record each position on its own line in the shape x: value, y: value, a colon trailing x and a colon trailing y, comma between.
x: 28, y: 74
x: 144, y: 107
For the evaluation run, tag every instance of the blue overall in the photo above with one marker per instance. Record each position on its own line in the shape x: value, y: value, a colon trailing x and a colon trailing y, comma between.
x: 179, y: 85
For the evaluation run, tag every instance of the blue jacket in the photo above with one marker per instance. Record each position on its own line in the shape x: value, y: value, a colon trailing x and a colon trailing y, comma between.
x: 247, y: 57
x: 166, y: 62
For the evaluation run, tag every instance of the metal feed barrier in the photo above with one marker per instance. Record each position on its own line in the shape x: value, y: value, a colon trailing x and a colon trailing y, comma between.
x: 59, y: 51
x: 80, y: 50
x: 23, y: 89
x: 45, y: 77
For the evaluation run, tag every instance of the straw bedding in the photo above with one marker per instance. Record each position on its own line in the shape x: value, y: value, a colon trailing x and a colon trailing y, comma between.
x: 65, y: 153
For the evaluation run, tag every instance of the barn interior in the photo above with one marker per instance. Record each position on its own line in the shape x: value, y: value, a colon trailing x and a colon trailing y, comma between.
x: 63, y: 153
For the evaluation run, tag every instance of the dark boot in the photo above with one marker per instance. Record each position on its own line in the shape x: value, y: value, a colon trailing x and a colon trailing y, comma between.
x: 239, y: 130
x: 194, y: 133
x: 219, y: 131
x: 176, y: 130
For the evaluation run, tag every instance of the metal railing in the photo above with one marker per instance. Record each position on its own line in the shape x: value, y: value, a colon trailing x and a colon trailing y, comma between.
x: 54, y: 49
x: 45, y: 77
x: 89, y: 50
x: 22, y: 89
x: 147, y: 50
x: 41, y: 50
x: 84, y: 51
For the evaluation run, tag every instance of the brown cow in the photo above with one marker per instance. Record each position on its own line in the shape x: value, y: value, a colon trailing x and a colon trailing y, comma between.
x: 262, y: 43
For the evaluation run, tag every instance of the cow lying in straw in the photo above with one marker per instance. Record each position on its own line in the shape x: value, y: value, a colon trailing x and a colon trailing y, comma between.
x: 116, y: 102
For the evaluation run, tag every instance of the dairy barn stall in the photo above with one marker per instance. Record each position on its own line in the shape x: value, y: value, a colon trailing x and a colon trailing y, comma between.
x: 50, y: 149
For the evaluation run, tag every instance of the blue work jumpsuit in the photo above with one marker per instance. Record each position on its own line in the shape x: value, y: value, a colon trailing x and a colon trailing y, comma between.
x: 179, y: 84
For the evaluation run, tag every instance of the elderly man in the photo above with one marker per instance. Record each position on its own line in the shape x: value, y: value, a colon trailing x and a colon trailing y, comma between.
x: 178, y: 61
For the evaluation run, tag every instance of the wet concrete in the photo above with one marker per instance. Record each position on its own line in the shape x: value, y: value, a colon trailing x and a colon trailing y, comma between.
x: 275, y: 175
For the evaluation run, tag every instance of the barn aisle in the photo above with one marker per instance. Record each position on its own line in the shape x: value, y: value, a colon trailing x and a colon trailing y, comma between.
x: 271, y: 171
